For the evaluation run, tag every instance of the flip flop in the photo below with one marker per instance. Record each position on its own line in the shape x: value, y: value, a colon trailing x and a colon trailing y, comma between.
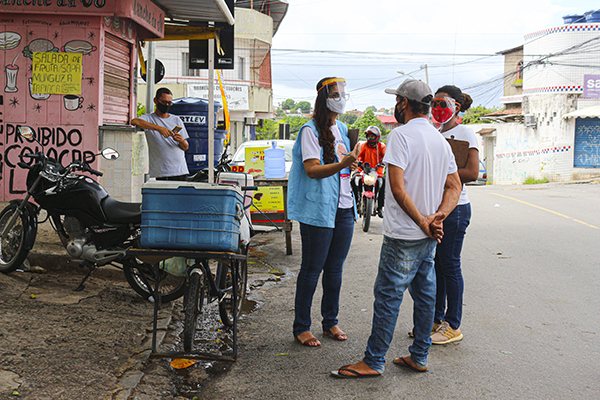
x: 356, y: 375
x: 402, y: 363
x: 340, y: 336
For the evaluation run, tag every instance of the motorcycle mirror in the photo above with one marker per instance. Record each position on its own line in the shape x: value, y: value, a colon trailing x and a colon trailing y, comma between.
x: 26, y: 132
x: 110, y: 153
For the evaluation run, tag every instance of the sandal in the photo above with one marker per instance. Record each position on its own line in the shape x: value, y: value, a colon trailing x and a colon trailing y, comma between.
x: 402, y: 362
x: 339, y: 335
x: 310, y: 342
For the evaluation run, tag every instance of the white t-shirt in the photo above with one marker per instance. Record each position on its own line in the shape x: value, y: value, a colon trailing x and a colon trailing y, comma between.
x: 461, y: 132
x: 311, y: 149
x: 166, y: 158
x: 427, y: 160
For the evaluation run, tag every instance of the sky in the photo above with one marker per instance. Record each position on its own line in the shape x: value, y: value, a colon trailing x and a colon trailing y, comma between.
x: 368, y: 42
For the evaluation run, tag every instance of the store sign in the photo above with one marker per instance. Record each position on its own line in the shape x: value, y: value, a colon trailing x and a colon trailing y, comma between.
x: 56, y: 73
x: 237, y: 95
x: 591, y: 86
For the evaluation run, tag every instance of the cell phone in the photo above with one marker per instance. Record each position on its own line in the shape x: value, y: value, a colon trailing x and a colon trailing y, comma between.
x: 177, y: 129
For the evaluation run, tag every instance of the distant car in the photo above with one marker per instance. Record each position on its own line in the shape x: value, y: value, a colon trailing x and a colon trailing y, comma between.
x: 239, y: 158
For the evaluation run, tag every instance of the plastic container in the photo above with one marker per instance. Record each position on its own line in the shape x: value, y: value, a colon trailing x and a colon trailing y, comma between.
x: 191, y: 216
x: 274, y: 162
x: 194, y: 114
x: 592, y: 16
x: 574, y: 19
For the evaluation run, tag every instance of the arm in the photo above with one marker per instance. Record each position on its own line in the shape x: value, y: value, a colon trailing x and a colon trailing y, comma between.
x: 396, y: 176
x: 183, y: 144
x: 315, y: 170
x: 140, y: 123
x: 452, y: 189
x: 471, y: 171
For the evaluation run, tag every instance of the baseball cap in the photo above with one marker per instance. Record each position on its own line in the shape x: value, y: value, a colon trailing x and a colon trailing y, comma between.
x: 412, y: 89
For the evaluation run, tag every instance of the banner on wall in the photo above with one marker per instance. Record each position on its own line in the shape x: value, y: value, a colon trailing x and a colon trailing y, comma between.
x: 591, y: 86
x: 237, y: 95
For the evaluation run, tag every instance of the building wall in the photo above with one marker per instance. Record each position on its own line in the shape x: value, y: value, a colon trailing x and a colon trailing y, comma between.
x: 511, y: 74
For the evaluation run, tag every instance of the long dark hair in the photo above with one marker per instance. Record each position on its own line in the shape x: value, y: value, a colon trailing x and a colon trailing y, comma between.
x: 322, y: 117
x: 464, y: 99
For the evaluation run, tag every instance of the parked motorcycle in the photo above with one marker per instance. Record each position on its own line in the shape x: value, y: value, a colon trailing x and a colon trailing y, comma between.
x: 368, y: 195
x: 95, y: 229
x: 222, y: 166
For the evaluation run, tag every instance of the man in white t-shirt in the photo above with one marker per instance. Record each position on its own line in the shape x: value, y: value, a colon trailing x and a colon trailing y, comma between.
x: 166, y: 147
x: 424, y: 188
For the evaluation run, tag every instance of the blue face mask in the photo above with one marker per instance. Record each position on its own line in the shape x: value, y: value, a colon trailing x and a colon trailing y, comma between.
x: 336, y: 105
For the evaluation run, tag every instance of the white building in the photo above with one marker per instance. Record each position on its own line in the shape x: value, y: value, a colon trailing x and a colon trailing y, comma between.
x: 550, y: 130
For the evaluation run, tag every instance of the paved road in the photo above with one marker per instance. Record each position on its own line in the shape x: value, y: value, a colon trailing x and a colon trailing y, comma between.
x: 530, y: 315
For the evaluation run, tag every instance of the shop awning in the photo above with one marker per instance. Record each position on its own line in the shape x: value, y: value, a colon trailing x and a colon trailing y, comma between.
x: 190, y: 11
x: 588, y: 112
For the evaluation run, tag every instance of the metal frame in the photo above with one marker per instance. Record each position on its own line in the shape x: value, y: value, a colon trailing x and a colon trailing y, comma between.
x: 197, y: 255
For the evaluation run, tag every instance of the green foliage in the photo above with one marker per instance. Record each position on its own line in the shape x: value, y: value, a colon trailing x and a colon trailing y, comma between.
x: 474, y: 114
x: 530, y: 180
x: 268, y: 130
x: 280, y: 113
x: 372, y: 108
x: 141, y: 109
x: 288, y: 104
x: 367, y: 120
x: 296, y: 122
x: 348, y: 118
x: 303, y: 106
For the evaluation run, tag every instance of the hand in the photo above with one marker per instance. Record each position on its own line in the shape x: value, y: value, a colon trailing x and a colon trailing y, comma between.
x: 165, y: 131
x: 433, y: 226
x: 177, y: 137
x: 354, y: 166
x: 352, y: 157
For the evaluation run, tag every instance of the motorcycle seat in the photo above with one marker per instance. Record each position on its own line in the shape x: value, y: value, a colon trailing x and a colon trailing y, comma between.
x: 121, y: 212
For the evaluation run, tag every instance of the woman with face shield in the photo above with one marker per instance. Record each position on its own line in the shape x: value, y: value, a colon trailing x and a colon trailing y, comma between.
x: 320, y: 199
x: 447, y: 103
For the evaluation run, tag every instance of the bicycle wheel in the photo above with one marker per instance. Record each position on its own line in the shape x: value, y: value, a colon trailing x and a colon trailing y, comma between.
x: 192, y: 304
x: 12, y: 245
x: 140, y: 274
x: 226, y: 306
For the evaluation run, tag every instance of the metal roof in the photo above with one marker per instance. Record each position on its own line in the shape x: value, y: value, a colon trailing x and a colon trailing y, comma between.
x: 194, y: 11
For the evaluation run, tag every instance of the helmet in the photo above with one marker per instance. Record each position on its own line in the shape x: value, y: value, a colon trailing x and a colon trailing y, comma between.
x: 373, y: 130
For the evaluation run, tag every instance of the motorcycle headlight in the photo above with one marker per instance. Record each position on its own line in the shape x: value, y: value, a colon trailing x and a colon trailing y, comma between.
x: 370, y: 180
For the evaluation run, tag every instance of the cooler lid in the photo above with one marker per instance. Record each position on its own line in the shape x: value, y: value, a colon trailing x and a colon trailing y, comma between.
x: 173, y: 185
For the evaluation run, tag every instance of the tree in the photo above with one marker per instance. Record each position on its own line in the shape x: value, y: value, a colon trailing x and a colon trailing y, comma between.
x: 288, y: 104
x: 367, y: 120
x: 304, y: 106
x: 268, y: 130
x: 348, y: 118
x: 280, y: 113
x: 296, y: 122
x: 372, y: 108
x: 473, y: 115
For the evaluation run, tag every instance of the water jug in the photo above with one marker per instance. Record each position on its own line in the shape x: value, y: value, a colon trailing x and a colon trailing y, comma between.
x: 274, y: 162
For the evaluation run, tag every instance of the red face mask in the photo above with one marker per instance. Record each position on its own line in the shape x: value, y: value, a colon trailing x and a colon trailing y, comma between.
x: 443, y: 109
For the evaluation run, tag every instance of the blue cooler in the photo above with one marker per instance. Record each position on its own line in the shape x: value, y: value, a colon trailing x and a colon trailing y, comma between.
x: 191, y: 216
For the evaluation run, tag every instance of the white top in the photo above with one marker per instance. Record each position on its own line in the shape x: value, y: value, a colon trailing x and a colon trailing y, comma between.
x: 427, y: 160
x: 166, y: 158
x: 461, y: 132
x: 311, y: 149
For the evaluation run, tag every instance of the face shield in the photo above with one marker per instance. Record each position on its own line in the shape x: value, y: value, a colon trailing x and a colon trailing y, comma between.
x: 336, y: 89
x: 443, y: 109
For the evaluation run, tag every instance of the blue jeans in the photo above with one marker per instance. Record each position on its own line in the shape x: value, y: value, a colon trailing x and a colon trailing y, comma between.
x: 450, y: 283
x: 403, y: 264
x: 323, y: 249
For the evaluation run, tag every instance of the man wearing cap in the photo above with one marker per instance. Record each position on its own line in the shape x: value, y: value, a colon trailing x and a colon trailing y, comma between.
x: 424, y: 188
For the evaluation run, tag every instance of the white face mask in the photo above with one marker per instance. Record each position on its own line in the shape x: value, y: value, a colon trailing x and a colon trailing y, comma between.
x: 336, y: 105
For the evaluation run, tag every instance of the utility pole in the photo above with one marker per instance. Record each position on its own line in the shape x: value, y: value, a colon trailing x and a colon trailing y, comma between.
x: 424, y: 66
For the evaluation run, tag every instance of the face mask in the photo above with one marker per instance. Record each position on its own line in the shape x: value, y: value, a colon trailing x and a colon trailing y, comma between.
x: 442, y: 110
x: 399, y: 115
x: 162, y: 108
x: 337, y: 106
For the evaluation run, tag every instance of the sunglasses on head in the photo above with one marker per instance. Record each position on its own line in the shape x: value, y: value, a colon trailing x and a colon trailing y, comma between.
x: 442, y: 103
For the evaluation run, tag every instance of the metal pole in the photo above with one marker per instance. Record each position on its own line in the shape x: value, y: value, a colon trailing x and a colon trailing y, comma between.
x: 150, y: 73
x: 426, y: 75
x: 211, y: 113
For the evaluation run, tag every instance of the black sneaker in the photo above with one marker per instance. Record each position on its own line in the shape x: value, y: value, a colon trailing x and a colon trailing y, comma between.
x: 379, y: 213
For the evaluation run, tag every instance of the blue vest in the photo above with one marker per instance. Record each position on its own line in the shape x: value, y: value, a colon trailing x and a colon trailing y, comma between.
x: 313, y: 201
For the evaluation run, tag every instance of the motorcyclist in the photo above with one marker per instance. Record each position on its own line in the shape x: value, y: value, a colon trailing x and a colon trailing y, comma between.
x: 372, y: 152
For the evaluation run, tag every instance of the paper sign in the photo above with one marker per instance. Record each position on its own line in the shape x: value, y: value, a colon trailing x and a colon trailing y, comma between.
x: 255, y: 161
x: 268, y: 199
x: 56, y: 73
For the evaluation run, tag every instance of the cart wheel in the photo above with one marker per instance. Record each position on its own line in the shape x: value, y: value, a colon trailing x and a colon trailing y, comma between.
x: 226, y: 306
x: 192, y: 303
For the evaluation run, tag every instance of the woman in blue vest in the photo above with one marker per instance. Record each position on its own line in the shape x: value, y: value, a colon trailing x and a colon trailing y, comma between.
x: 320, y: 199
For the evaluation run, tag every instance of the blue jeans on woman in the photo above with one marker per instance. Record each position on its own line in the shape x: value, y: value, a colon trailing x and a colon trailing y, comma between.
x: 323, y: 249
x: 450, y: 283
x: 402, y: 264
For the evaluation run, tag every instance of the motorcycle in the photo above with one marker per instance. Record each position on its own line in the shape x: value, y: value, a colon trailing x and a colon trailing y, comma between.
x: 94, y: 228
x: 368, y: 196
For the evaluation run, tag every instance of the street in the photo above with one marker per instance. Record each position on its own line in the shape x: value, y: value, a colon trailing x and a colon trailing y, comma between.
x: 530, y: 322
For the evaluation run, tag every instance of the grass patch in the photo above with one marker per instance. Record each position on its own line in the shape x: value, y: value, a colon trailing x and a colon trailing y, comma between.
x: 532, y: 181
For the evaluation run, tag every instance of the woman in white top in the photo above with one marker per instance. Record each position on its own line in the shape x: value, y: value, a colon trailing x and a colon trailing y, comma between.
x: 448, y: 102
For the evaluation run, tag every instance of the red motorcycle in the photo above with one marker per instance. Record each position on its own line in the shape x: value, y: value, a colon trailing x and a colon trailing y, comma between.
x: 367, y: 191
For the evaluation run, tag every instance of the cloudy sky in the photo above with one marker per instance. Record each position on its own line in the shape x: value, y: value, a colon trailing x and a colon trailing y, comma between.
x: 368, y: 42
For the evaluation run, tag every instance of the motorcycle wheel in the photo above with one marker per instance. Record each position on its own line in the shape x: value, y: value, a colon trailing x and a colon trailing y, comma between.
x: 138, y: 273
x: 226, y: 306
x: 193, y: 301
x: 12, y: 245
x: 367, y: 216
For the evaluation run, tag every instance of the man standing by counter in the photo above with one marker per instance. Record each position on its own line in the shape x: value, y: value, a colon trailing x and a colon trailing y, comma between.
x: 167, y: 139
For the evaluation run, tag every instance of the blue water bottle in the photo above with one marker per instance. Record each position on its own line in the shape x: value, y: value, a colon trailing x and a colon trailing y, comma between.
x: 274, y: 162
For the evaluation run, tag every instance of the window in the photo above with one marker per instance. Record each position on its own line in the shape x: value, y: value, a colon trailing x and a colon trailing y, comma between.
x: 519, y: 70
x: 240, y: 68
